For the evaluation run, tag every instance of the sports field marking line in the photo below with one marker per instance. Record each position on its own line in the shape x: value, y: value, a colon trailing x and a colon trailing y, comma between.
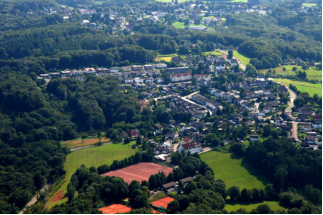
x: 131, y: 174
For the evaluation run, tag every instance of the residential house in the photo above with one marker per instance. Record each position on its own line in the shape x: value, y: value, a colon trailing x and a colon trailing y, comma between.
x: 138, y: 80
x: 206, y: 77
x: 317, y: 121
x: 160, y: 150
x: 254, y: 137
x: 219, y: 66
x: 310, y: 139
x: 192, y: 147
x: 307, y: 127
x: 114, y: 69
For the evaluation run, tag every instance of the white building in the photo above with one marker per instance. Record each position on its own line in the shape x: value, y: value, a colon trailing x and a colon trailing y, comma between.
x: 138, y: 80
x: 254, y: 137
x: 114, y: 69
x: 160, y: 80
x: 181, y: 77
x: 206, y: 77
x: 160, y: 66
x: 128, y: 80
x: 192, y: 147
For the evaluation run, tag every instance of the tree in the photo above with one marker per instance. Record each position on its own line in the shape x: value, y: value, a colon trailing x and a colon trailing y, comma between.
x: 173, y: 206
x: 194, y: 81
x: 144, y: 145
x: 152, y: 182
x: 70, y: 192
x: 233, y: 192
x: 230, y: 54
x: 263, y: 209
x: 138, y: 141
x: 99, y: 133
x: 246, y: 195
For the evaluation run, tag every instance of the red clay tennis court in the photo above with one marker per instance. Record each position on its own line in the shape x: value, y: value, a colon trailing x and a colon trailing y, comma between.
x: 114, y: 209
x: 139, y: 172
x: 162, y: 203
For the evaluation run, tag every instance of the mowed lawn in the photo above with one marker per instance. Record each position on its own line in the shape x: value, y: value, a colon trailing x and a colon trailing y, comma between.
x: 234, y: 171
x: 309, y: 4
x: 233, y: 205
x: 213, y: 53
x: 181, y: 25
x: 243, y: 59
x: 166, y: 57
x: 311, y: 89
x: 94, y: 156
x: 312, y: 73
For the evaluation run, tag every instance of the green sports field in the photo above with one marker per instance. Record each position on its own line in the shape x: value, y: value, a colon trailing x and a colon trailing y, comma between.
x: 94, y: 156
x: 243, y: 59
x: 233, y: 205
x: 234, y: 171
x: 181, y: 25
x: 309, y: 4
x: 311, y: 89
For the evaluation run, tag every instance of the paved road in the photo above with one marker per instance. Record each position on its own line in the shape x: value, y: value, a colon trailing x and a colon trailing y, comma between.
x: 34, y: 199
x: 240, y: 64
x: 189, y: 96
x: 84, y: 147
x: 292, y: 96
x: 295, y: 129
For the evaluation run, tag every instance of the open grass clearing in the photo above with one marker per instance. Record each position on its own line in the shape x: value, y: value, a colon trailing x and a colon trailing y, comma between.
x: 233, y: 205
x: 94, y: 156
x: 169, y: 1
x: 167, y: 57
x: 312, y: 73
x: 213, y: 53
x: 83, y: 142
x: 243, y: 59
x: 234, y: 171
x: 181, y: 25
x: 309, y: 4
x: 311, y: 89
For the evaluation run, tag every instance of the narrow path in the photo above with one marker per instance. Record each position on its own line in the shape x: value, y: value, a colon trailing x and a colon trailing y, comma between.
x: 34, y: 199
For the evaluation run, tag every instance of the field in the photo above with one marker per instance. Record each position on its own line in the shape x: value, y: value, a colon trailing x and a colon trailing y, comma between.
x: 169, y: 1
x: 234, y: 171
x: 312, y: 73
x: 181, y: 25
x: 79, y: 142
x: 139, y: 172
x: 233, y: 205
x: 213, y: 53
x: 244, y: 60
x: 311, y: 89
x: 309, y: 4
x: 94, y: 156
x: 167, y: 57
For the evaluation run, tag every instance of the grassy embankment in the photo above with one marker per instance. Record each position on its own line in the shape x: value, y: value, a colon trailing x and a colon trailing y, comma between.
x: 243, y: 59
x: 94, y: 156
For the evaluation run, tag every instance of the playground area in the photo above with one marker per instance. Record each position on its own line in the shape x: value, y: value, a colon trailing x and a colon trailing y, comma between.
x: 115, y: 209
x: 139, y: 172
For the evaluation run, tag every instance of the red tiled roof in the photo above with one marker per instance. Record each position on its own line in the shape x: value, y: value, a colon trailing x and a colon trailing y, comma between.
x: 191, y: 145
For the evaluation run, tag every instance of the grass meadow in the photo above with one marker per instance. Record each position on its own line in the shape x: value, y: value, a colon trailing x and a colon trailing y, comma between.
x: 234, y: 171
x: 248, y: 206
x: 311, y: 89
x: 167, y: 57
x: 94, y: 156
x: 309, y: 4
x: 80, y: 142
x: 312, y: 73
x: 243, y: 59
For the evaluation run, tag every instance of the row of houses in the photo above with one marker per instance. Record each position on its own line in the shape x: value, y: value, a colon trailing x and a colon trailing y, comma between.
x: 213, y: 105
